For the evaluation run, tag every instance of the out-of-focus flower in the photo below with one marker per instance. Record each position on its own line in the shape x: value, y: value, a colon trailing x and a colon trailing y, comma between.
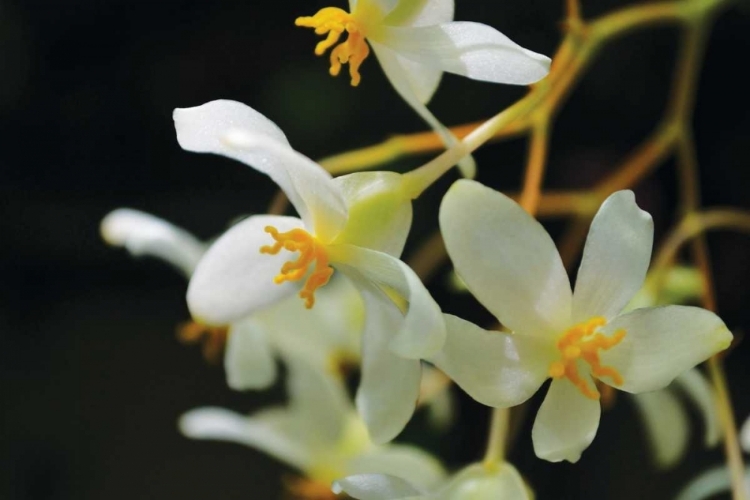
x: 682, y: 285
x: 357, y: 224
x: 318, y: 433
x: 143, y: 234
x: 665, y: 416
x: 415, y: 42
x: 717, y: 479
x: 511, y: 265
x: 664, y: 412
x: 475, y: 482
x: 326, y: 336
x: 710, y: 483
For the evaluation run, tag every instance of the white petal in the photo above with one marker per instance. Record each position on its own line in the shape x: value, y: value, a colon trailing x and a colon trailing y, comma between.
x: 710, y: 483
x: 495, y: 368
x: 416, y: 83
x: 421, y: 332
x: 473, y: 50
x: 615, y: 259
x: 506, y: 258
x: 389, y: 384
x: 701, y: 393
x: 412, y: 80
x: 372, y: 7
x: 745, y: 436
x: 421, y: 469
x: 234, y: 279
x: 319, y: 399
x: 318, y: 200
x: 143, y: 234
x: 440, y: 400
x: 476, y: 482
x: 566, y: 423
x: 248, y: 361
x: 330, y: 330
x: 666, y: 425
x: 376, y: 487
x: 224, y: 425
x: 661, y: 343
x: 234, y: 130
x: 205, y: 124
x: 380, y: 214
x: 421, y: 13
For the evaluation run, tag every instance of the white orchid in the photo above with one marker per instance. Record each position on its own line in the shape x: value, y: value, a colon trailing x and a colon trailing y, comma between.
x: 318, y: 433
x: 511, y: 265
x: 356, y: 224
x: 475, y: 482
x: 415, y: 42
x: 328, y: 334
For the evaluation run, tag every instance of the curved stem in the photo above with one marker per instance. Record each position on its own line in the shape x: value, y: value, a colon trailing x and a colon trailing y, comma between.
x: 532, y: 184
x: 495, y: 453
x: 418, y: 180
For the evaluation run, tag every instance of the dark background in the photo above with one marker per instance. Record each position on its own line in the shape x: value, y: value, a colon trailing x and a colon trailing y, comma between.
x: 92, y: 377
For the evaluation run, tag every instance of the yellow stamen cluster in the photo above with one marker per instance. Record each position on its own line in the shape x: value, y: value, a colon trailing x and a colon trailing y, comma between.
x: 582, y: 342
x: 353, y: 51
x: 213, y: 339
x: 299, y: 240
x: 300, y: 488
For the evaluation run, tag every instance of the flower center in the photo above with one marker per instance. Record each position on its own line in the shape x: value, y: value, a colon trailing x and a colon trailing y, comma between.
x: 353, y: 51
x: 581, y: 342
x: 310, y: 250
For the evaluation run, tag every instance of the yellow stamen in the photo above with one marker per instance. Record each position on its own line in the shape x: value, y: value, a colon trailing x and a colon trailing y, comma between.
x: 212, y: 338
x: 300, y: 488
x: 310, y: 250
x: 353, y: 51
x: 582, y: 342
x: 609, y: 395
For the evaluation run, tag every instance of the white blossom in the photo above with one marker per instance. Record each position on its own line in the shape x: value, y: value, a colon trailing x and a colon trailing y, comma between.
x: 317, y: 433
x: 356, y: 224
x: 416, y: 41
x: 511, y: 265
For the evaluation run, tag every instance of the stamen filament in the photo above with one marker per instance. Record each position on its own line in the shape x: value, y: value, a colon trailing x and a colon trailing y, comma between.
x: 299, y: 240
x: 581, y: 342
x: 335, y: 22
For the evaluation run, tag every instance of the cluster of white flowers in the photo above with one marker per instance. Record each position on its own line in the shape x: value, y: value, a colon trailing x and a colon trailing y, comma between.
x: 328, y: 288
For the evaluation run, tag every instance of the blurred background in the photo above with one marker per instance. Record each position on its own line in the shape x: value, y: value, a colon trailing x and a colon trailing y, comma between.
x: 92, y: 379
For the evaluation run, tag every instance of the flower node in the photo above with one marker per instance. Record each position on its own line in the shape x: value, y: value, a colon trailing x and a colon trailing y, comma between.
x: 583, y: 342
x: 299, y: 240
x: 353, y: 51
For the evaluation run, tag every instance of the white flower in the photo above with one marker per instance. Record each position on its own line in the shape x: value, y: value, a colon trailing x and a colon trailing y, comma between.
x: 324, y: 336
x: 415, y: 42
x: 356, y: 224
x: 475, y: 482
x: 511, y: 265
x: 318, y: 433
